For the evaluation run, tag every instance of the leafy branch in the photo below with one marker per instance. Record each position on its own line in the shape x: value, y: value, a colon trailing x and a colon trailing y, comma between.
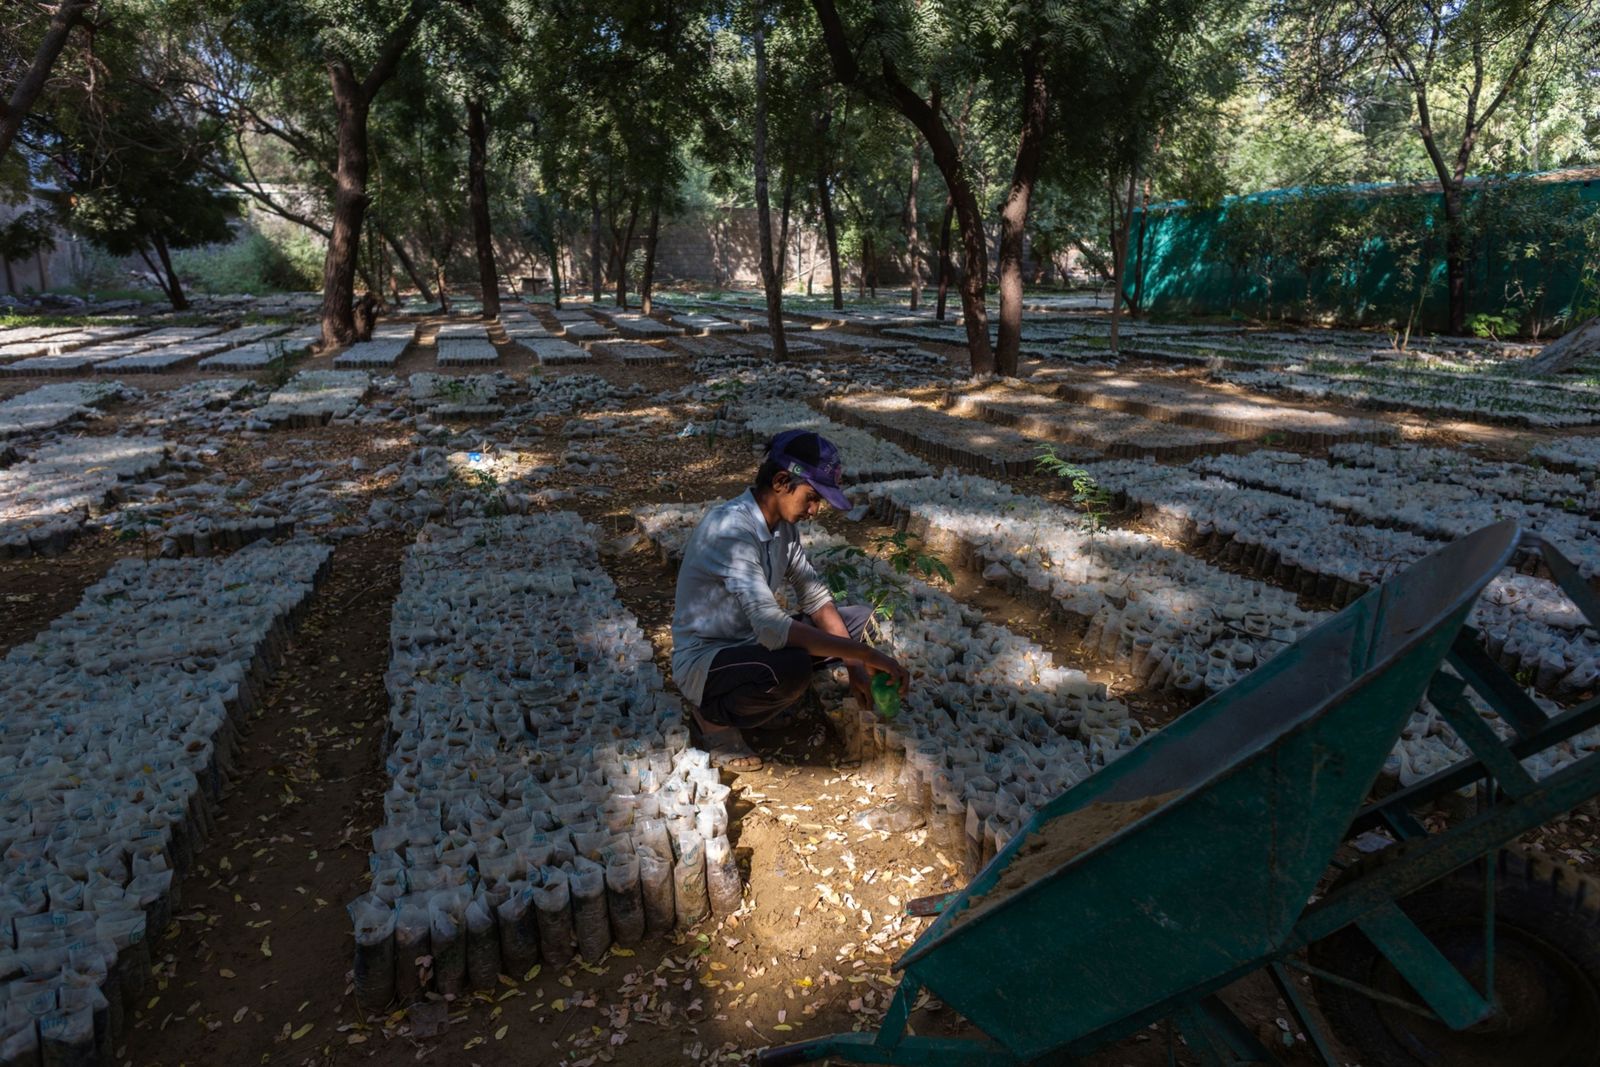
x: 846, y: 568
x: 1088, y: 495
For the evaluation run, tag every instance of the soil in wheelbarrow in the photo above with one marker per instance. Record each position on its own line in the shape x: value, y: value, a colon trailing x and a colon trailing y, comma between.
x: 1058, y: 842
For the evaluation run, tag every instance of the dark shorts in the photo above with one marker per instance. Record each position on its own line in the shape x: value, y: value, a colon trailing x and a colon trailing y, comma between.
x: 749, y: 685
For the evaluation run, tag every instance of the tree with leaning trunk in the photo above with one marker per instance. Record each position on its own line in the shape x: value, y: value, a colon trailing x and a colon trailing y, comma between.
x: 880, y: 77
x: 14, y: 109
x: 132, y: 174
x: 947, y: 270
x: 272, y: 108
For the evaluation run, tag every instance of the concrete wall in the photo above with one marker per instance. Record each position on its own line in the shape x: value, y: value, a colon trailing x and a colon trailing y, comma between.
x: 718, y: 249
x: 46, y: 270
x: 725, y: 249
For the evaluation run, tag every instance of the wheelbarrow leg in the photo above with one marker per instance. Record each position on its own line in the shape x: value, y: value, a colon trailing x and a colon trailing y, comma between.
x: 1297, y: 1007
x: 1218, y: 1038
x: 898, y: 1018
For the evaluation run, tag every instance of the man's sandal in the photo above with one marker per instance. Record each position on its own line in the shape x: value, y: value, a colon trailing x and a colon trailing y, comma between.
x: 730, y: 752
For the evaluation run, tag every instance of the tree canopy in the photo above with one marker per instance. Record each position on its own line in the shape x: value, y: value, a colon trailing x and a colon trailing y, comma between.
x: 429, y: 143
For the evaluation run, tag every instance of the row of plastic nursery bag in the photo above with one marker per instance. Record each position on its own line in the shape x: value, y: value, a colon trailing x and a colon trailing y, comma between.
x: 137, y: 694
x: 66, y: 988
x: 466, y: 935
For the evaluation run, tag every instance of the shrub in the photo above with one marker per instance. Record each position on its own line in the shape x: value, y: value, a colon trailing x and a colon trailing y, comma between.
x: 91, y: 269
x: 255, y: 263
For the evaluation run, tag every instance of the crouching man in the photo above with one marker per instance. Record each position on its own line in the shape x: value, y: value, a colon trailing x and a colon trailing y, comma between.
x: 738, y: 656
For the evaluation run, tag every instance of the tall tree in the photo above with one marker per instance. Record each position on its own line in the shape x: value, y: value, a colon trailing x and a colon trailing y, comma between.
x: 353, y: 93
x: 132, y: 172
x: 1014, y: 210
x: 647, y: 283
x: 830, y: 225
x: 881, y: 79
x: 913, y: 242
x: 355, y: 49
x: 136, y: 184
x: 769, y: 271
x: 478, y: 194
x: 1460, y: 63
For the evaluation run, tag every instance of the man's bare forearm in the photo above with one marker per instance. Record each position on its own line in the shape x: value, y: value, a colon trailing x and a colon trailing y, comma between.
x: 855, y: 654
x: 819, y: 642
x: 828, y: 620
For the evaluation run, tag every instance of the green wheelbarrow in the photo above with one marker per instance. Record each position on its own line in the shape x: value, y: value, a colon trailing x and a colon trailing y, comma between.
x: 1197, y: 859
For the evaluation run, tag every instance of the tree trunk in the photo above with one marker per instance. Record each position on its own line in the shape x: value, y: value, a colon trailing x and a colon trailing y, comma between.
x: 406, y: 263
x: 556, y: 254
x: 1578, y: 343
x: 478, y: 195
x: 352, y: 102
x: 927, y: 117
x: 11, y: 281
x: 349, y: 208
x: 1014, y: 212
x: 380, y: 265
x: 594, y: 251
x: 1455, y: 260
x: 769, y: 274
x: 647, y: 283
x: 32, y: 82
x: 831, y: 229
x: 1136, y: 304
x: 174, y: 286
x: 947, y: 157
x: 825, y: 205
x: 155, y: 272
x: 1123, y: 221
x: 870, y: 263
x: 367, y: 270
x: 783, y: 225
x: 620, y: 243
x: 913, y: 248
x: 947, y: 269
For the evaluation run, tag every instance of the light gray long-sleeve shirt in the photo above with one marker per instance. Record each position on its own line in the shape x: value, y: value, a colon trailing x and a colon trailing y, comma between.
x: 728, y: 583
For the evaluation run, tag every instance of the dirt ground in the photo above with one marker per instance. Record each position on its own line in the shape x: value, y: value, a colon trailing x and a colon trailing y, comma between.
x: 256, y: 967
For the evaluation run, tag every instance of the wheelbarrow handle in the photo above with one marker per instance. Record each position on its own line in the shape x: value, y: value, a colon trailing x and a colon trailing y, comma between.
x: 922, y: 907
x: 790, y: 1055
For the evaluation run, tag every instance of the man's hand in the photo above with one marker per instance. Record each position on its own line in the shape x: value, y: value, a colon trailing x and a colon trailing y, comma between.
x: 860, y: 685
x: 876, y: 662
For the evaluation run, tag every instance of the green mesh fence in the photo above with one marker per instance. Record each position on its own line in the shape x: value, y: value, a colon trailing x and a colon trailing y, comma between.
x: 1369, y: 255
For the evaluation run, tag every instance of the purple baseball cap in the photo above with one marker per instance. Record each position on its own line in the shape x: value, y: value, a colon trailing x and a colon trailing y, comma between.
x: 814, y: 460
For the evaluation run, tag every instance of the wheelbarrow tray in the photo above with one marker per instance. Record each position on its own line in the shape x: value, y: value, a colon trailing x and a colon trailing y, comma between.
x: 1253, y: 792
